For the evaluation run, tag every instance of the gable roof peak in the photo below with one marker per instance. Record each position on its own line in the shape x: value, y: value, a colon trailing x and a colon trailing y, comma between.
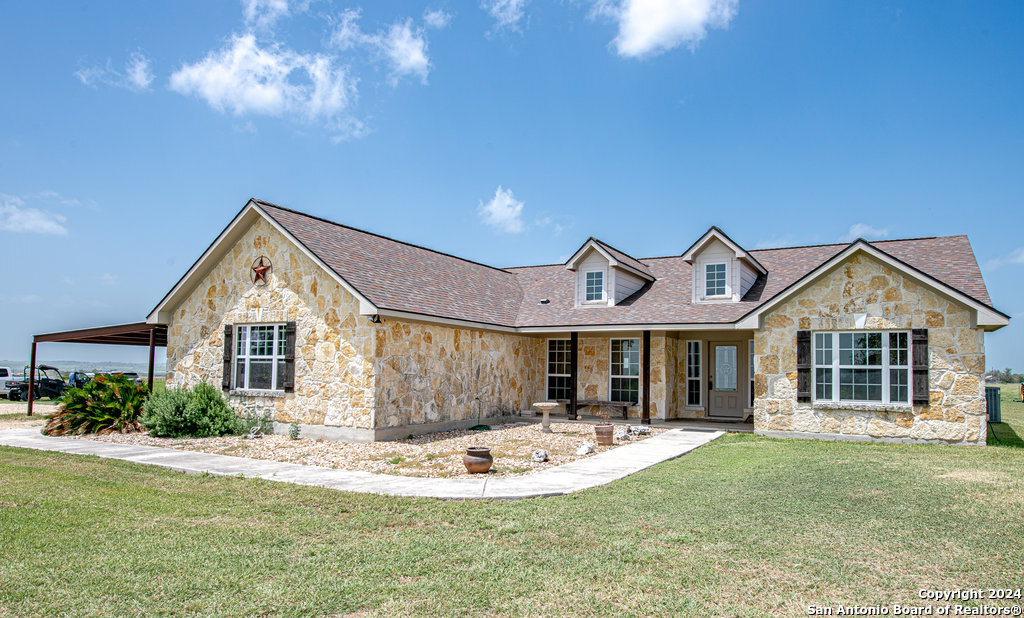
x: 715, y: 233
x: 614, y: 256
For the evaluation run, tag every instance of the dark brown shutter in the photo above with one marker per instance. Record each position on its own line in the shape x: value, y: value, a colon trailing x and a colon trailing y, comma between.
x: 803, y: 365
x: 289, y: 357
x: 229, y: 349
x: 919, y: 356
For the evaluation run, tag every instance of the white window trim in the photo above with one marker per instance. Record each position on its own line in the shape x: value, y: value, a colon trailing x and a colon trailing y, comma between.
x: 699, y: 377
x: 750, y: 370
x: 727, y: 294
x: 639, y: 365
x: 275, y: 356
x: 547, y: 366
x: 604, y: 288
x: 835, y: 366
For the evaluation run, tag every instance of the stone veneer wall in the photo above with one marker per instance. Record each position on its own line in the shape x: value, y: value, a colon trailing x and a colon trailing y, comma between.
x: 334, y: 367
x: 594, y: 373
x: 891, y: 302
x: 679, y: 394
x: 430, y: 373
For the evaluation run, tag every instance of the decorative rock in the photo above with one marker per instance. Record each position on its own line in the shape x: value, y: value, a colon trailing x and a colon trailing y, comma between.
x: 640, y: 430
x: 255, y: 433
x: 622, y: 434
x: 539, y: 456
x: 585, y: 449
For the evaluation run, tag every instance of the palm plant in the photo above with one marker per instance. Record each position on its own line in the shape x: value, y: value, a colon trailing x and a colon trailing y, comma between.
x: 105, y: 404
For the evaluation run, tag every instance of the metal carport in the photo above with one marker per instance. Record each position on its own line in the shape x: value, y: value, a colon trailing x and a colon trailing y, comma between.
x: 138, y: 334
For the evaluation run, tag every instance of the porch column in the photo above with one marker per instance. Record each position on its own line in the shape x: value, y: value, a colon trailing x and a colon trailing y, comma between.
x: 646, y: 364
x: 32, y: 377
x: 570, y: 410
x: 152, y: 351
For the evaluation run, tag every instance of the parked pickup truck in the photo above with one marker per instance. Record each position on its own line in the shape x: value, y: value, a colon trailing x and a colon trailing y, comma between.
x: 7, y: 380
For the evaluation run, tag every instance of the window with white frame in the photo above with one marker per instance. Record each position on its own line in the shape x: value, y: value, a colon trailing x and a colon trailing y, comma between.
x: 260, y: 357
x: 559, y: 367
x: 714, y: 279
x: 862, y: 366
x: 750, y: 370
x: 693, y: 373
x: 595, y: 285
x: 625, y: 384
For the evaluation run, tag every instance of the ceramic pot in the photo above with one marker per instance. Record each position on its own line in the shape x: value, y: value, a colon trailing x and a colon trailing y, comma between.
x: 478, y: 459
x: 604, y: 434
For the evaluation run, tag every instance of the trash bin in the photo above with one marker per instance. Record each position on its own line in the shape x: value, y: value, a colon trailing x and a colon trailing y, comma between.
x: 995, y: 414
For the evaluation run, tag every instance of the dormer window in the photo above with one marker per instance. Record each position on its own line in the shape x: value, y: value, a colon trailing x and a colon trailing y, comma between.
x: 605, y: 276
x: 595, y: 286
x: 722, y: 270
x: 714, y: 278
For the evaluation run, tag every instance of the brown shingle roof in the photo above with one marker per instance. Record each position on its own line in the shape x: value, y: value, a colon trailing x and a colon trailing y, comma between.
x: 404, y: 277
x: 630, y: 261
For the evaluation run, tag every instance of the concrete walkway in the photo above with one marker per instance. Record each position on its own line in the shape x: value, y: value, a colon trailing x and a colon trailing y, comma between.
x: 583, y: 474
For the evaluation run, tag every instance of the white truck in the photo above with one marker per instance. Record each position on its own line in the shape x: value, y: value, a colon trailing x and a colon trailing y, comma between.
x: 7, y: 380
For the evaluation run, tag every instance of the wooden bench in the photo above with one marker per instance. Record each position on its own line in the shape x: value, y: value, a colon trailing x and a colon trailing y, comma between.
x: 582, y: 403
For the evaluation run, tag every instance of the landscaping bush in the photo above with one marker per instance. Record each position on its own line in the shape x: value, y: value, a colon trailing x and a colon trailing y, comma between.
x: 257, y: 423
x: 105, y: 404
x: 199, y: 412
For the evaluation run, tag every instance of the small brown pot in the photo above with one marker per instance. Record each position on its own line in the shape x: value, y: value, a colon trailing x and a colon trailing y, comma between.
x: 604, y: 434
x: 478, y: 459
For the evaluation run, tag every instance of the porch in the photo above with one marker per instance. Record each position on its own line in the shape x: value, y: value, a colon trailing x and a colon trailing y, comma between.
x: 692, y: 424
x: 666, y: 375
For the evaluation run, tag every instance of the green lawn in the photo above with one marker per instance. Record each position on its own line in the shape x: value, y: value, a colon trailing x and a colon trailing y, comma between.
x: 743, y: 526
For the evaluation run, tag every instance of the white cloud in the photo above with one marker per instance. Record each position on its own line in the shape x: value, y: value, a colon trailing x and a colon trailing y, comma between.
x: 245, y: 78
x: 549, y: 223
x: 263, y: 13
x: 347, y: 34
x: 504, y: 212
x: 407, y: 51
x: 27, y: 299
x: 651, y: 27
x: 49, y: 195
x: 436, y: 19
x: 506, y: 13
x: 1014, y: 257
x: 136, y: 75
x: 865, y: 231
x: 403, y: 45
x: 15, y: 216
x: 108, y: 279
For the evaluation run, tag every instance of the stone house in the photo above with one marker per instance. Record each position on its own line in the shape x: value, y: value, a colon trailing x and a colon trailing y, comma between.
x: 356, y: 336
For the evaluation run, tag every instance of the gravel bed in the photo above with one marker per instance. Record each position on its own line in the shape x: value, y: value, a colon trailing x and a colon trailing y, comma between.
x: 430, y: 455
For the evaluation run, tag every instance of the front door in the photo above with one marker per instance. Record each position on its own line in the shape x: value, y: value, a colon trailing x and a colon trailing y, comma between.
x: 725, y: 385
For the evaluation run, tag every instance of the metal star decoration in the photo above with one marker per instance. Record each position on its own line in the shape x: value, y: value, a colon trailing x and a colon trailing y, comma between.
x: 260, y: 268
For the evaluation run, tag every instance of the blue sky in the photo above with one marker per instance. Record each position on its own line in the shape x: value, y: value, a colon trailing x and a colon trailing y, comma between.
x: 502, y: 131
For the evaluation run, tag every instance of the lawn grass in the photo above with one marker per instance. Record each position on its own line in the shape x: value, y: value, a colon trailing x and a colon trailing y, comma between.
x: 743, y: 526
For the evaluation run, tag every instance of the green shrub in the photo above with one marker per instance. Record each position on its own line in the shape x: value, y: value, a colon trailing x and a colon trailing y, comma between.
x: 200, y: 412
x: 106, y: 404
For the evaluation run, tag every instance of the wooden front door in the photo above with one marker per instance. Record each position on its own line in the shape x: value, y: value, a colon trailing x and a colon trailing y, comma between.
x: 726, y: 379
